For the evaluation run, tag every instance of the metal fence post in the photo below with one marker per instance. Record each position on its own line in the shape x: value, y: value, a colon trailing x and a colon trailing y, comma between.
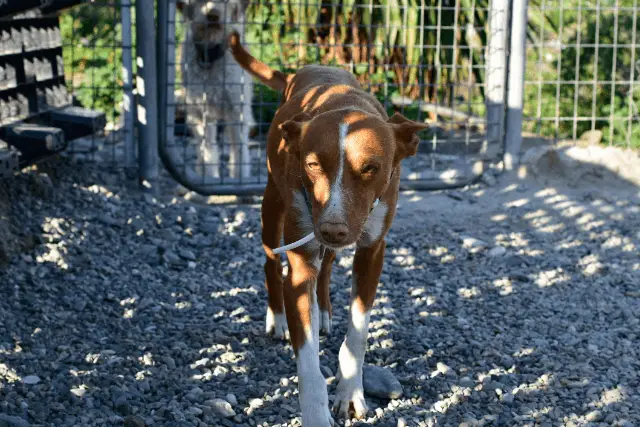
x: 127, y: 87
x: 496, y: 69
x: 516, y: 76
x: 147, y: 92
x: 166, y: 72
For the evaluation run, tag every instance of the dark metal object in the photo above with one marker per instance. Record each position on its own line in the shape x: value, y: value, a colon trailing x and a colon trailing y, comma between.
x: 77, y: 122
x: 47, y: 6
x: 34, y: 141
x: 8, y: 160
x: 58, y: 5
x: 147, y: 86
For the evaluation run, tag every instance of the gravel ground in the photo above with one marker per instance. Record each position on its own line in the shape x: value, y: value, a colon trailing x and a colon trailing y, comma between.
x: 504, y: 303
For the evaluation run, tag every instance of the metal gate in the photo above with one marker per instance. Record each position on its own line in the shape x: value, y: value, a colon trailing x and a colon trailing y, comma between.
x: 443, y: 62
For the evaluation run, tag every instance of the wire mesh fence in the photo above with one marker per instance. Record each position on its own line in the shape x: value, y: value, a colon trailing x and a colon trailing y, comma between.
x: 445, y: 62
x: 583, y: 66
x: 98, y: 45
x: 427, y: 61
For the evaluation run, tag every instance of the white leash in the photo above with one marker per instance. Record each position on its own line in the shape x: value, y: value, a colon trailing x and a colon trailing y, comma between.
x: 306, y: 239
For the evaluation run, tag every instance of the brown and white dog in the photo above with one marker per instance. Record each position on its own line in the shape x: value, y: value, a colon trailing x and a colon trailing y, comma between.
x: 333, y: 158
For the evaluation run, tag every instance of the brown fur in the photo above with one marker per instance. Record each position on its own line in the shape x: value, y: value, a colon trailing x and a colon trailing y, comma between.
x: 327, y: 95
x: 303, y: 149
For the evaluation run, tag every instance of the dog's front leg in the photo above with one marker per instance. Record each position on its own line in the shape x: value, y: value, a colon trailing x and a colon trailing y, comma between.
x: 239, y: 156
x: 367, y: 266
x: 209, y: 153
x: 302, y: 313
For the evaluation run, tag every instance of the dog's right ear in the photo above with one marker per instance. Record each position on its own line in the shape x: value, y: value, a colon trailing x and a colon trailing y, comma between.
x: 292, y: 131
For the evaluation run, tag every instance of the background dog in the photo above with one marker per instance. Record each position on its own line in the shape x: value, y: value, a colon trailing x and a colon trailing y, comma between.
x: 216, y: 87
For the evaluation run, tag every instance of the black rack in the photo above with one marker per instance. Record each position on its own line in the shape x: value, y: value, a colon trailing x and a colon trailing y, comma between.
x: 36, y: 113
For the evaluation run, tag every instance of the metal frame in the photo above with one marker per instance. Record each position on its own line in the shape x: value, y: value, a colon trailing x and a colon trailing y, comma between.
x: 127, y: 87
x: 496, y: 84
x: 515, y: 93
x: 147, y: 94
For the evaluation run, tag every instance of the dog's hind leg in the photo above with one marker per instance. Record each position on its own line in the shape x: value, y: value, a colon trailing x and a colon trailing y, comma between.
x: 272, y: 226
x: 324, y: 297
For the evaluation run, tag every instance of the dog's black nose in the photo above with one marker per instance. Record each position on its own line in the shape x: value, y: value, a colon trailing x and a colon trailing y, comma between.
x: 334, y: 232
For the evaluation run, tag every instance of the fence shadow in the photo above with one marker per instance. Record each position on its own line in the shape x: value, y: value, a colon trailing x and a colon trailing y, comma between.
x: 107, y: 311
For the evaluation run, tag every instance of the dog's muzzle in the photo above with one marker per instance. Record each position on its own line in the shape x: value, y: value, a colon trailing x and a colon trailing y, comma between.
x: 207, y: 53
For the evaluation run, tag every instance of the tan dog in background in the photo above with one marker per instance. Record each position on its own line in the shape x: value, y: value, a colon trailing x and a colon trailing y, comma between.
x: 216, y: 88
x: 333, y: 157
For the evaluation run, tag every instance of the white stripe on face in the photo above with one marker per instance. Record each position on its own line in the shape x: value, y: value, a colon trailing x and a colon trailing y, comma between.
x: 335, y: 207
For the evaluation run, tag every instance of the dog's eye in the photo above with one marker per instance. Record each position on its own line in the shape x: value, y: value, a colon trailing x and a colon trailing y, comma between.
x: 369, y: 170
x: 313, y: 166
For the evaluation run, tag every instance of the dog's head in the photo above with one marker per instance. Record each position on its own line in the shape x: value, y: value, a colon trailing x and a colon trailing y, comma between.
x: 211, y: 22
x: 347, y: 161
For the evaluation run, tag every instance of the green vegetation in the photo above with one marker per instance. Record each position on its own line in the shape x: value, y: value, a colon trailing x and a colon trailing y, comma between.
x: 425, y: 50
x: 92, y: 53
x: 595, y: 75
x: 389, y: 44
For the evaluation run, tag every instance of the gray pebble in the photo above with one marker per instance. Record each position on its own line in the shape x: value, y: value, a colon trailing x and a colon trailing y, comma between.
x: 326, y: 371
x: 187, y: 255
x: 220, y: 408
x: 31, y: 379
x: 172, y: 258
x: 134, y: 421
x: 497, y: 251
x: 78, y: 391
x: 10, y: 421
x: 231, y: 398
x: 466, y: 382
x: 380, y: 382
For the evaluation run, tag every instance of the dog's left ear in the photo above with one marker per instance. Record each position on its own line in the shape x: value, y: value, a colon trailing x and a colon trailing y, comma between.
x: 405, y: 132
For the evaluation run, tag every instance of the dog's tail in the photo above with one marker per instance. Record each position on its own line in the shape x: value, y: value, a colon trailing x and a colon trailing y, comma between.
x: 273, y: 78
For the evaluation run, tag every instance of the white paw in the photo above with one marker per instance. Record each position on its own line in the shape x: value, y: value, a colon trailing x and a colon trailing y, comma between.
x: 350, y: 393
x: 276, y: 324
x: 315, y: 406
x: 317, y: 415
x: 325, y: 322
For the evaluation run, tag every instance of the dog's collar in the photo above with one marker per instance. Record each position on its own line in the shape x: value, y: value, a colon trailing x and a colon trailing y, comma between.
x: 207, y: 56
x: 309, y: 237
